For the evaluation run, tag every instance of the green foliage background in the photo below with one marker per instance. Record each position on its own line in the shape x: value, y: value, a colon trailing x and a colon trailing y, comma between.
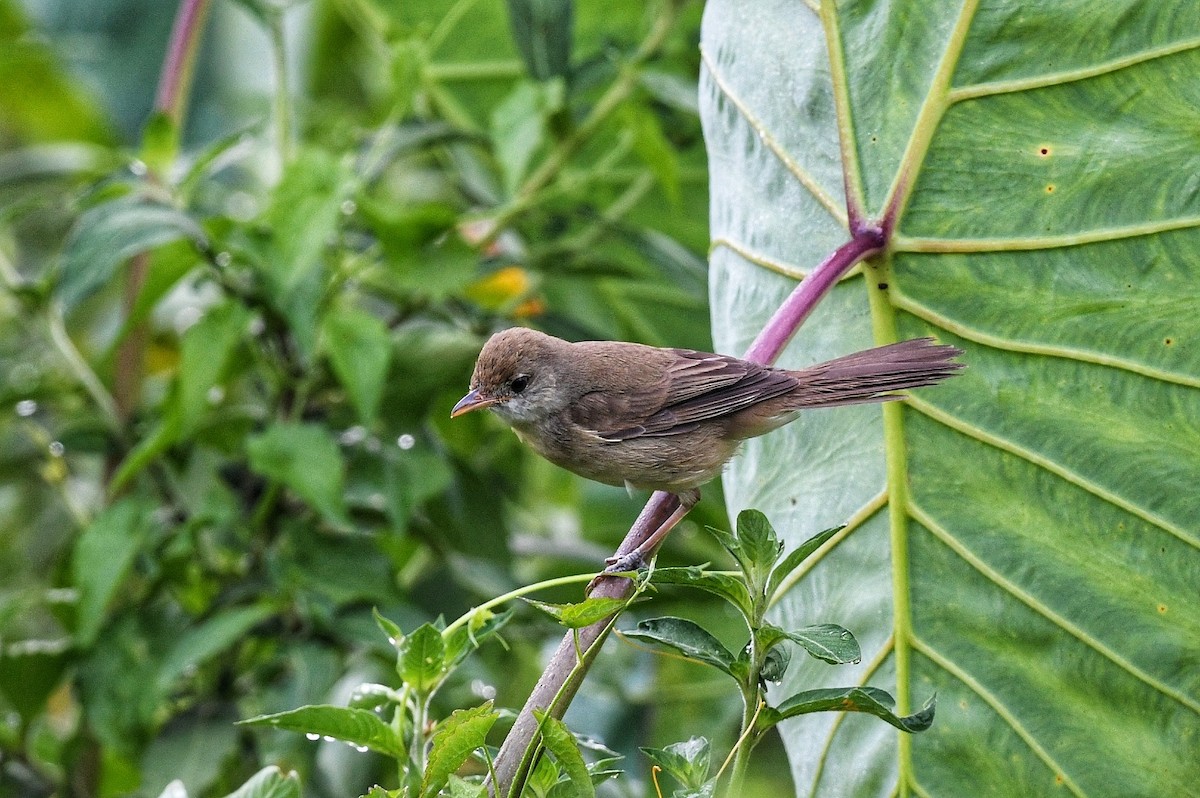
x: 207, y: 484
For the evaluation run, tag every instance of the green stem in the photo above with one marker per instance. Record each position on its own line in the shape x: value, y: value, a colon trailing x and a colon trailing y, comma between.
x: 475, y: 70
x: 282, y: 101
x: 512, y: 594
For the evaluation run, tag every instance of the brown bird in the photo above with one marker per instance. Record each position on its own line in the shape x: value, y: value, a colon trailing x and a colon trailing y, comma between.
x: 669, y: 419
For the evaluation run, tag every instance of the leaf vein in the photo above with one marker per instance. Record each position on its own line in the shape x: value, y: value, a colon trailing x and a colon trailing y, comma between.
x: 903, y: 243
x: 962, y: 330
x: 1043, y: 609
x: 1000, y: 709
x: 807, y: 180
x: 990, y: 88
x: 1062, y: 471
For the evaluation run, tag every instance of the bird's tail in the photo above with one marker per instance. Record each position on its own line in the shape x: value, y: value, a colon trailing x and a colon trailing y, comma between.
x: 873, y: 375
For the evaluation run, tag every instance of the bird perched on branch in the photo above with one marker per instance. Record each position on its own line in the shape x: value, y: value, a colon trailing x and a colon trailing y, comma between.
x: 669, y: 419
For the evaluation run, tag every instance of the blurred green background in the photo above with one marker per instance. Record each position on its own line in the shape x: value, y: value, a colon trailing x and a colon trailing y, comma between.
x: 229, y: 347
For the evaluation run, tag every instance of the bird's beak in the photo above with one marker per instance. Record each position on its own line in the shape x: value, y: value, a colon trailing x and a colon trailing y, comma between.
x: 472, y: 401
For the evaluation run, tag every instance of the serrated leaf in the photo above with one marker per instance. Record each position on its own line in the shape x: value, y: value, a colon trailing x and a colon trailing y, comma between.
x: 727, y: 587
x: 1044, y: 500
x: 453, y: 741
x: 870, y: 700
x: 270, y: 782
x: 828, y: 642
x: 102, y: 558
x: 422, y: 658
x: 305, y: 458
x: 113, y: 232
x: 580, y: 614
x: 561, y: 744
x: 360, y: 349
x: 359, y: 727
x: 685, y: 637
x: 758, y: 550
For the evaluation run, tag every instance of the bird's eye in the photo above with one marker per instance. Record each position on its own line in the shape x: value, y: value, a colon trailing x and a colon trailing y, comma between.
x: 519, y: 383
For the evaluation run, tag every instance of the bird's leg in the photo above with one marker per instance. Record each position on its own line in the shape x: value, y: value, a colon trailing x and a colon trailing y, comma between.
x: 633, y: 560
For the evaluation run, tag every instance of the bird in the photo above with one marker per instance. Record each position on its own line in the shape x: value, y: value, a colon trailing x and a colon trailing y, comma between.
x: 665, y: 419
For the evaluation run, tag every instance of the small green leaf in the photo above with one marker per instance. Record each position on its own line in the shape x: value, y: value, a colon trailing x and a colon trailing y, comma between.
x: 775, y: 664
x: 686, y: 762
x: 200, y: 643
x: 359, y: 727
x: 730, y: 588
x: 828, y: 642
x: 870, y: 700
x: 543, y: 778
x: 518, y: 126
x: 305, y: 458
x: 580, y: 614
x: 30, y: 670
x: 394, y: 634
x: 561, y: 744
x: 370, y: 696
x: 270, y: 782
x: 160, y: 143
x: 461, y: 788
x: 360, y: 349
x: 422, y: 658
x: 205, y: 352
x: 685, y: 637
x: 542, y: 32
x: 793, y: 559
x: 760, y: 546
x: 102, y: 558
x: 453, y: 741
x: 464, y: 639
x: 111, y: 233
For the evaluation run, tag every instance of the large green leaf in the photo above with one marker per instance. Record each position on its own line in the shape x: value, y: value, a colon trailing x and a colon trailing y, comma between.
x: 1024, y: 539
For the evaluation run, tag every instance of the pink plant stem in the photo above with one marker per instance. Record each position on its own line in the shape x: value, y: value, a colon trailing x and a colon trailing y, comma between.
x: 175, y: 77
x: 867, y: 241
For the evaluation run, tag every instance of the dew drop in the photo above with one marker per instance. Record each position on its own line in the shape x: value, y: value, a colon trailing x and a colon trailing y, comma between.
x: 362, y: 749
x: 215, y: 394
x: 349, y: 206
x: 26, y: 408
x: 223, y: 259
x: 56, y: 448
x: 327, y: 738
x: 138, y: 167
x: 353, y: 435
x: 313, y: 737
x: 406, y: 441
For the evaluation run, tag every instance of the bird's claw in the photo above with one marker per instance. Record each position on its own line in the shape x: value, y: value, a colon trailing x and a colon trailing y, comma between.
x: 626, y: 565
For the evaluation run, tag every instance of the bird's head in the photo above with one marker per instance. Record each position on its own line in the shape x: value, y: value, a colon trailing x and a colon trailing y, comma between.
x: 517, y: 375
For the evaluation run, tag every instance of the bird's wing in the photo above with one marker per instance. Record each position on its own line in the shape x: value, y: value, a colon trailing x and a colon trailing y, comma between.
x: 695, y: 387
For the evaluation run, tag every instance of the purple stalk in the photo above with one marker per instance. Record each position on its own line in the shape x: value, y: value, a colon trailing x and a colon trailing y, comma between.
x: 175, y: 78
x: 867, y: 241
